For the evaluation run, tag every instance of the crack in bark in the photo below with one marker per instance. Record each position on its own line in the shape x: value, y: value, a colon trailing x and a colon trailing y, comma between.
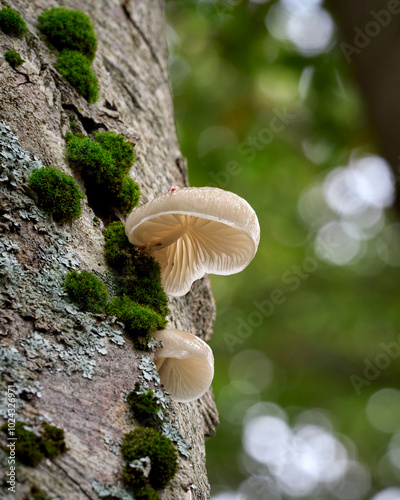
x: 88, y: 124
x: 26, y: 76
x: 134, y: 100
x: 144, y: 37
x: 73, y: 480
x: 181, y: 163
x: 113, y: 68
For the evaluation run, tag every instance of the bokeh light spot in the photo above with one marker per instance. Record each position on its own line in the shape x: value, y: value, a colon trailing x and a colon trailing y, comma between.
x: 383, y: 410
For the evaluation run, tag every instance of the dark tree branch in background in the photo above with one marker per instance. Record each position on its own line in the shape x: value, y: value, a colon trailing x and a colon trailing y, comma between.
x: 371, y: 45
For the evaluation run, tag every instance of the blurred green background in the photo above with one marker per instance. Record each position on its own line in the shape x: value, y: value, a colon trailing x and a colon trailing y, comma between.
x: 307, y: 338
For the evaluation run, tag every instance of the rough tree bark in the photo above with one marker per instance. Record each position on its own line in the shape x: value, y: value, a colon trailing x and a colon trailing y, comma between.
x: 68, y: 367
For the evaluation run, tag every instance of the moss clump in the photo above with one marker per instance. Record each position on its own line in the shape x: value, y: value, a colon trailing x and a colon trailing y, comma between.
x: 35, y: 494
x: 11, y: 22
x: 87, y: 291
x: 121, y: 150
x: 69, y: 29
x: 58, y: 193
x: 142, y: 284
x: 148, y: 493
x: 94, y: 162
x: 104, y: 171
x: 145, y: 407
x: 127, y: 194
x: 71, y: 32
x: 75, y: 67
x: 141, y: 273
x: 119, y: 253
x: 27, y: 445
x: 142, y: 343
x: 13, y: 58
x: 147, y: 442
x: 52, y: 441
x: 138, y: 320
x: 30, y: 448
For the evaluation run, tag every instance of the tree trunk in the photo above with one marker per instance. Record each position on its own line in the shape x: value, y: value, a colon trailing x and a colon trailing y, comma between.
x: 67, y: 367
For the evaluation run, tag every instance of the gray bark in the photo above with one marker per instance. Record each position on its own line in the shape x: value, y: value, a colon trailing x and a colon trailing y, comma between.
x: 68, y: 367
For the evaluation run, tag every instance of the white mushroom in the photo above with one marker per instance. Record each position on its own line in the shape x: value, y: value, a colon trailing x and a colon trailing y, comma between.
x: 185, y: 364
x: 193, y: 231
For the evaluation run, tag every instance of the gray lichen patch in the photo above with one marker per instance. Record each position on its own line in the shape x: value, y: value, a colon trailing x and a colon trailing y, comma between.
x: 107, y: 492
x: 149, y: 379
x: 114, y: 444
x: 40, y: 326
x: 13, y: 373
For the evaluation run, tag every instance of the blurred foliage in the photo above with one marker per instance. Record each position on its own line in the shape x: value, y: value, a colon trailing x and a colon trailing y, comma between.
x: 230, y: 78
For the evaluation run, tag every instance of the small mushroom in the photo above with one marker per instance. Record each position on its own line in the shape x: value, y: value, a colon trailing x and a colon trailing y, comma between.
x: 192, y: 231
x: 185, y: 364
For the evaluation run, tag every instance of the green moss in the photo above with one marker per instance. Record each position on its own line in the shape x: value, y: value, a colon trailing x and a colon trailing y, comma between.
x: 144, y: 407
x: 13, y: 58
x: 95, y: 163
x: 138, y: 320
x: 87, y: 291
x: 147, y: 442
x: 71, y: 32
x: 119, y: 253
x: 69, y: 29
x: 142, y: 284
x: 75, y: 67
x: 36, y: 494
x: 27, y: 445
x: 73, y: 125
x: 148, y: 493
x: 105, y: 178
x: 69, y: 136
x: 141, y: 273
x: 128, y: 195
x: 30, y: 448
x: 11, y: 22
x: 58, y: 193
x: 142, y: 343
x: 52, y: 441
x: 121, y: 150
x: 90, y: 158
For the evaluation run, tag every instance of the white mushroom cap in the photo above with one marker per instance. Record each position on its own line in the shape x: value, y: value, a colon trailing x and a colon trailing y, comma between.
x: 193, y: 231
x: 185, y: 364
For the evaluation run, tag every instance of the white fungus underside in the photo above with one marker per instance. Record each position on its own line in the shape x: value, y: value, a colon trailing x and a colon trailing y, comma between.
x: 192, y: 231
x: 201, y: 246
x: 187, y: 365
